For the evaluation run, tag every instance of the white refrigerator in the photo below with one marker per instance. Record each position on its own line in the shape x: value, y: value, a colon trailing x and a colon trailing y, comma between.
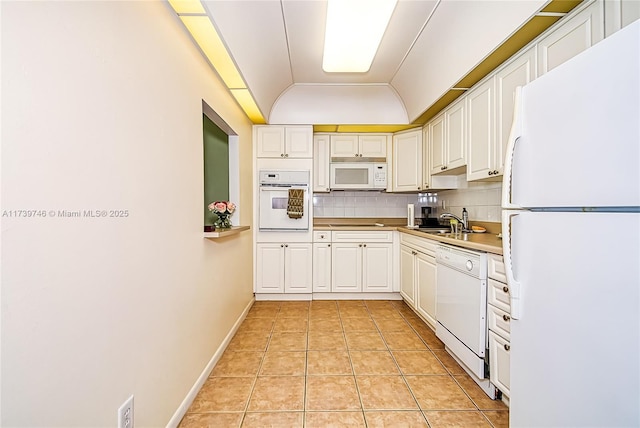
x: 571, y: 241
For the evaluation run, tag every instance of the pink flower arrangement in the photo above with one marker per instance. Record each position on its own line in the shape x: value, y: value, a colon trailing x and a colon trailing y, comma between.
x: 222, y: 207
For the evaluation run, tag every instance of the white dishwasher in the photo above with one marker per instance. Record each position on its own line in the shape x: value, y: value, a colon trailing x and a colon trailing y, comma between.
x: 461, y: 309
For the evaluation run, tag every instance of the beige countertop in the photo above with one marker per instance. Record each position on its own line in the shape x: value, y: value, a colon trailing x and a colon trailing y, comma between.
x: 488, y: 242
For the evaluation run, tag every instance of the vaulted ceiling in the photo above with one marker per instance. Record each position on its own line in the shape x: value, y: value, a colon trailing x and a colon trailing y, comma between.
x: 429, y: 47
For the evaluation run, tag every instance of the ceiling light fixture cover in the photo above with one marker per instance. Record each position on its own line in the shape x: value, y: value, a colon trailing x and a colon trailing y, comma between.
x: 354, y: 30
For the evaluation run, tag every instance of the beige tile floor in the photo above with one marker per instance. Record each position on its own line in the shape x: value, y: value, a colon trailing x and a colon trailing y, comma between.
x: 339, y: 364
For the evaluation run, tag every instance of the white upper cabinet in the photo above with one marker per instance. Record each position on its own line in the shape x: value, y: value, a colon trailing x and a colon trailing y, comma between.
x: 284, y: 141
x: 575, y: 35
x: 620, y: 13
x: 518, y: 72
x: 368, y: 146
x: 407, y: 161
x: 447, y: 138
x: 490, y: 109
x: 436, y: 130
x: 321, y: 167
x: 481, y: 129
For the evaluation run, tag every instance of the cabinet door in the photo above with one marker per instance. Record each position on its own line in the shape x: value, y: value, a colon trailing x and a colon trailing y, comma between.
x: 426, y: 160
x: 373, y: 146
x: 499, y: 363
x: 480, y: 114
x: 321, y: 163
x: 298, y: 273
x: 270, y: 141
x: 299, y: 142
x: 407, y: 161
x: 377, y: 272
x: 407, y: 274
x: 322, y: 267
x: 437, y: 144
x: 455, y: 140
x: 344, y: 146
x: 518, y: 73
x: 270, y: 268
x: 619, y: 14
x: 346, y: 267
x: 426, y: 287
x: 575, y: 35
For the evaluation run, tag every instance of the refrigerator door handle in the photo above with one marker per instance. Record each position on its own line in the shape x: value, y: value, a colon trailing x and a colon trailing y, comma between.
x: 514, y: 285
x: 514, y: 136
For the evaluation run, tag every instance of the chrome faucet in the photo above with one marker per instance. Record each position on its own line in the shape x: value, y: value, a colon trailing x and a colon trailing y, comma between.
x: 464, y: 223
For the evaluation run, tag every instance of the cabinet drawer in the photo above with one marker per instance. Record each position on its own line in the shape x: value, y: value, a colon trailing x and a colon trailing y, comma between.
x: 424, y: 245
x: 500, y: 363
x: 499, y: 295
x: 322, y: 236
x: 499, y: 322
x: 496, y: 268
x: 361, y: 236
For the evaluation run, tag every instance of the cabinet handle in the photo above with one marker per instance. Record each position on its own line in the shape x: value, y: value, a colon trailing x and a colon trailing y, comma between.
x: 328, y: 245
x: 281, y: 245
x: 506, y: 347
x: 418, y: 187
x: 286, y: 155
x: 495, y: 172
x: 490, y: 172
x: 360, y: 245
x: 505, y: 289
x: 327, y: 189
x: 281, y: 155
x: 506, y: 317
x: 286, y: 245
x: 364, y: 245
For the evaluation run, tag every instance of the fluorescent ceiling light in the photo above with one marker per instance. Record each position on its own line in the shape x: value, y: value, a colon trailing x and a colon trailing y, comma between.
x: 187, y: 6
x: 353, y: 33
x: 207, y: 38
x: 248, y: 104
x: 197, y: 22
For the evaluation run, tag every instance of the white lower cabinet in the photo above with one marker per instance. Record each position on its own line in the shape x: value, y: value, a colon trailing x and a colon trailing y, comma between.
x: 361, y: 262
x: 284, y: 268
x: 321, y: 267
x: 418, y: 275
x: 499, y: 362
x: 498, y: 320
x: 426, y: 287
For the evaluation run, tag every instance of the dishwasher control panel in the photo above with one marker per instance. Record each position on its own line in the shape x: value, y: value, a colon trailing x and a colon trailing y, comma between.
x: 472, y: 263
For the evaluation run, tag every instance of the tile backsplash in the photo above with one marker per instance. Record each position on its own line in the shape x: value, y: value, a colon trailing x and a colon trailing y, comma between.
x: 482, y: 201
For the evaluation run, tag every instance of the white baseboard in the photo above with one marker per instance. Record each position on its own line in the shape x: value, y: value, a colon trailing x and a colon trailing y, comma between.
x: 328, y: 296
x: 184, y: 406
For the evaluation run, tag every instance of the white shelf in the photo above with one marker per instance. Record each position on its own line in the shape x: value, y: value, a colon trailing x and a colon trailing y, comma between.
x: 223, y: 233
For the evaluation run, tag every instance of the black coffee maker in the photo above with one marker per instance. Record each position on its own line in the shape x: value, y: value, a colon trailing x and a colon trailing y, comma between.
x: 426, y: 220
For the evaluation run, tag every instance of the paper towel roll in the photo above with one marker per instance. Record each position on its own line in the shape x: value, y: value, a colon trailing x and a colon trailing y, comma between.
x: 411, y: 219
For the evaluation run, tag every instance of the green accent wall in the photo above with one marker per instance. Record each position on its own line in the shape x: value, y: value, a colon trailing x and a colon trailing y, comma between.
x: 216, y: 167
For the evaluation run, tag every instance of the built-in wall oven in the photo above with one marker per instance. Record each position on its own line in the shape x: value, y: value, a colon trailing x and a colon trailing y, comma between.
x: 284, y: 200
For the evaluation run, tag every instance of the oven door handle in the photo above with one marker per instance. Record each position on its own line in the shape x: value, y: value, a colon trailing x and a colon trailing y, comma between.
x: 270, y: 188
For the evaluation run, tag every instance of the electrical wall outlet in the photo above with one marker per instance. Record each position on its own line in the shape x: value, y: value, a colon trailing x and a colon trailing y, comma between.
x: 125, y: 414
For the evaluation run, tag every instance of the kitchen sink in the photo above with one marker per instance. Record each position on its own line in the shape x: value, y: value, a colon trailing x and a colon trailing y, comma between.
x: 440, y: 231
x: 358, y: 225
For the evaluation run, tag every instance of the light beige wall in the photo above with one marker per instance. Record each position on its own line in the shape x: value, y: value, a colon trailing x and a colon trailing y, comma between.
x: 101, y: 110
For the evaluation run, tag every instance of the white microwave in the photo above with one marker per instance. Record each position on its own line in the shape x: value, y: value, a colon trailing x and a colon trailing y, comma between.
x: 358, y: 175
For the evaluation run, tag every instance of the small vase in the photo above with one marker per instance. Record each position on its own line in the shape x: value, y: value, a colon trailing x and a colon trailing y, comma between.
x: 223, y: 222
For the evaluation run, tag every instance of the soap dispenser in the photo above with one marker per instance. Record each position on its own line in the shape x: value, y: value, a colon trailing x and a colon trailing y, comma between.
x: 465, y: 219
